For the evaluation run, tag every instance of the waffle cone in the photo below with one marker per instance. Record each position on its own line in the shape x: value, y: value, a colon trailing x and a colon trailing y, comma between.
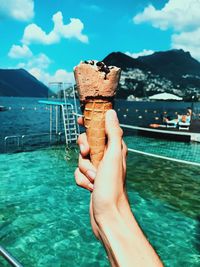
x: 94, y: 121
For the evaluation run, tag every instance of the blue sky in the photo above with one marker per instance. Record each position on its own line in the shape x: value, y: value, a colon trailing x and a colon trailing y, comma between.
x: 48, y: 38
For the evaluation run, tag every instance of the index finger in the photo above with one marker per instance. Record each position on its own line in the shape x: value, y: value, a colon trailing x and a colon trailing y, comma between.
x: 83, y: 144
x: 80, y: 121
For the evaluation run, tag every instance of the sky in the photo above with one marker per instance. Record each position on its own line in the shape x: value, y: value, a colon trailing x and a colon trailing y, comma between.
x: 49, y: 37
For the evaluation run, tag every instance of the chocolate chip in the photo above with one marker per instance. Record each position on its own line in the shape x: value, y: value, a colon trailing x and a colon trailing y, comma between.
x: 106, y: 70
x: 91, y: 62
x: 100, y: 64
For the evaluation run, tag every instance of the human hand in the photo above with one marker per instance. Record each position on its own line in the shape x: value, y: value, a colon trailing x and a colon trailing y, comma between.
x: 111, y: 218
x: 107, y: 183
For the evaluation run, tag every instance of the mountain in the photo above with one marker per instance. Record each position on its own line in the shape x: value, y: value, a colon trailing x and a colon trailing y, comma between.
x: 19, y: 82
x: 174, y: 71
x: 172, y: 63
x: 123, y: 61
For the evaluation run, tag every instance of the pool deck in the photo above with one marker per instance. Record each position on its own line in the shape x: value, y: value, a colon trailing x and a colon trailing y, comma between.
x: 192, y: 134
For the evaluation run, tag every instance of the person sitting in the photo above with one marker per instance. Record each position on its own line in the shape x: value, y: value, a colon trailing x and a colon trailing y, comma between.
x: 189, y: 112
x: 172, y: 123
x: 184, y: 121
x: 165, y: 117
x: 184, y: 118
x: 169, y: 120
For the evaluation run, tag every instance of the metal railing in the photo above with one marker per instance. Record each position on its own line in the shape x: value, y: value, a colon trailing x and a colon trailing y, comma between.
x: 9, y: 258
x: 12, y: 140
x: 26, y: 141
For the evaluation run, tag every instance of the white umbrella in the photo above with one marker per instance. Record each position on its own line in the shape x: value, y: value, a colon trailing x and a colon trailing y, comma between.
x: 165, y: 96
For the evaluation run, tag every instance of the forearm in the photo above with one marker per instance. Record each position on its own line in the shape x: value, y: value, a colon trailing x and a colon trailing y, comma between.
x: 124, y: 241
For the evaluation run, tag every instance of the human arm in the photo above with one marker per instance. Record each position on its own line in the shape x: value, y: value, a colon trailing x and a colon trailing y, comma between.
x: 111, y: 218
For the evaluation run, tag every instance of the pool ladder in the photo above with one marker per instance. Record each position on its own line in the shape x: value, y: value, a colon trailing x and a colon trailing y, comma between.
x: 9, y: 258
x: 70, y: 124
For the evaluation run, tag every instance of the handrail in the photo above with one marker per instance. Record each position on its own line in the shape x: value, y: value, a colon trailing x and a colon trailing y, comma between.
x: 11, y: 136
x: 16, y: 137
x: 75, y: 107
x: 20, y: 140
x: 9, y: 258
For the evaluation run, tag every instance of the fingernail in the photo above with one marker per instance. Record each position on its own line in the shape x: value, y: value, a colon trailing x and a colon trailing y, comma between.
x: 111, y: 115
x: 91, y: 174
x: 91, y: 186
x: 81, y: 147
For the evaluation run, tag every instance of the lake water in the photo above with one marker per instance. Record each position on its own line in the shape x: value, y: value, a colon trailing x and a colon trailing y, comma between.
x: 26, y: 116
x: 44, y: 216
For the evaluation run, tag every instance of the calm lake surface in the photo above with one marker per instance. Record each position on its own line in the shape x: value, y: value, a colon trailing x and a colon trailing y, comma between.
x: 27, y: 116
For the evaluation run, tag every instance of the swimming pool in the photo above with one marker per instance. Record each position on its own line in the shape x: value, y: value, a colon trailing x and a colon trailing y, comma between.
x: 44, y: 216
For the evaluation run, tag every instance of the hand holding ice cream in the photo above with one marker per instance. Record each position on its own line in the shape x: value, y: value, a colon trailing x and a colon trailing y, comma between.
x: 97, y: 85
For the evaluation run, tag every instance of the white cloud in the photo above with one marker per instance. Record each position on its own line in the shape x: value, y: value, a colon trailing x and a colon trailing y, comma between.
x: 93, y: 8
x: 145, y: 52
x: 60, y: 75
x: 21, y: 65
x: 34, y: 34
x: 22, y: 10
x: 18, y: 51
x: 38, y: 67
x: 182, y: 16
x: 188, y: 41
x: 176, y: 14
x: 39, y: 74
x: 40, y: 61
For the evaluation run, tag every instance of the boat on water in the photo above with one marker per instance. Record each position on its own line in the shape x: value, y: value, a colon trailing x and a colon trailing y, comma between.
x: 2, y: 108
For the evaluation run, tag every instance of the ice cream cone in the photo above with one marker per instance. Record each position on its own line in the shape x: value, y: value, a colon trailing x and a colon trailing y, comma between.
x: 97, y: 86
x: 94, y: 121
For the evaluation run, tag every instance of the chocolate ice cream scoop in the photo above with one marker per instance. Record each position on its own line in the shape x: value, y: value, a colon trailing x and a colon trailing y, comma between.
x: 95, y: 79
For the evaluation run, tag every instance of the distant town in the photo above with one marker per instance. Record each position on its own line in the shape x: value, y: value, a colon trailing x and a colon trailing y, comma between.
x: 136, y: 84
x: 174, y: 71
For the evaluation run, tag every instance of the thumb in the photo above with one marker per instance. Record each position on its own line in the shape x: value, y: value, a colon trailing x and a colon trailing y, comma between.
x: 108, y: 181
x: 112, y: 128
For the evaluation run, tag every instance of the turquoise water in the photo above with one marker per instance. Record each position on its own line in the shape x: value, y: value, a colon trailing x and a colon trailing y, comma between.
x: 176, y: 150
x: 44, y: 216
